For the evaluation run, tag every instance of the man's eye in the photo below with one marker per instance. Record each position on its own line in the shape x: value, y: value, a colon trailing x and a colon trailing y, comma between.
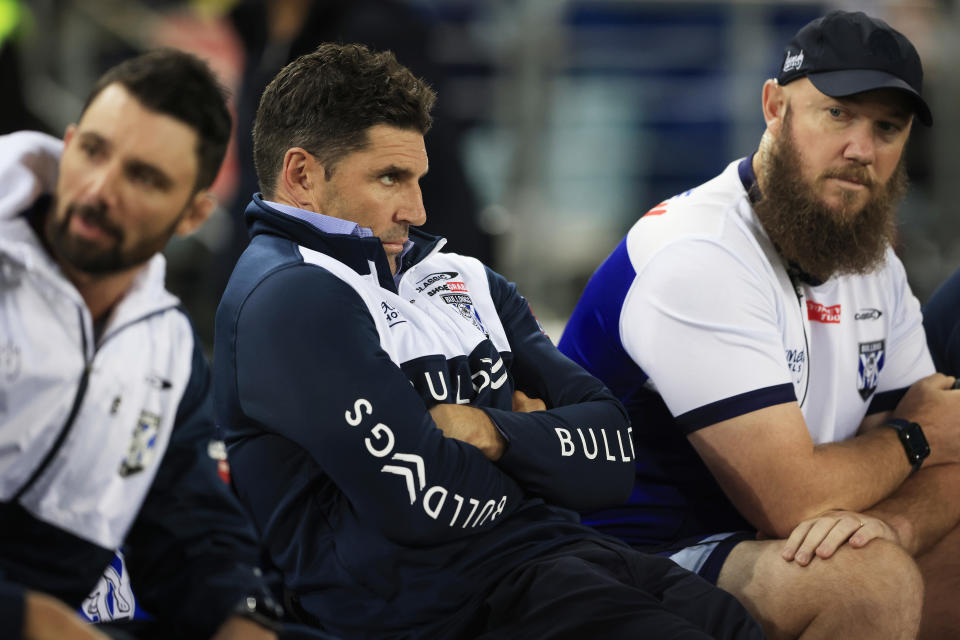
x: 388, y: 179
x: 887, y: 127
x: 836, y: 112
x: 90, y: 148
x: 144, y: 177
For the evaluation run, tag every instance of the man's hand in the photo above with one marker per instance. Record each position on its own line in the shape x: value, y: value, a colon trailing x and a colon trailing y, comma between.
x: 934, y: 405
x: 470, y: 425
x: 827, y: 532
x: 237, y: 628
x: 522, y: 403
x: 46, y: 618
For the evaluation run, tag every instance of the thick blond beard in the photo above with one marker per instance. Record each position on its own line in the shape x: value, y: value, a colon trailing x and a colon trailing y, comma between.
x: 817, y: 239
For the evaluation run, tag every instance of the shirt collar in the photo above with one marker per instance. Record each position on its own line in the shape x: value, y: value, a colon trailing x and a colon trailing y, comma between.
x: 325, y: 223
x: 329, y: 224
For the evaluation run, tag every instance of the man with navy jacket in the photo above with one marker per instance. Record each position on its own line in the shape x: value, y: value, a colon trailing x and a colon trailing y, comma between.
x: 409, y: 442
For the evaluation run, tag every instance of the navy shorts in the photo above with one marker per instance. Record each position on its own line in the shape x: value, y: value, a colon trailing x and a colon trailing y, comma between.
x: 602, y: 588
x: 703, y: 555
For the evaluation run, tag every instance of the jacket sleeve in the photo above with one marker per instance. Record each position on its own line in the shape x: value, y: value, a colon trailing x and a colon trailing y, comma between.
x: 578, y: 453
x: 191, y: 552
x: 940, y: 320
x: 12, y: 603
x: 310, y: 367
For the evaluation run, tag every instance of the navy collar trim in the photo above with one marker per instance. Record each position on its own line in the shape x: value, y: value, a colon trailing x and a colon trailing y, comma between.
x: 355, y: 252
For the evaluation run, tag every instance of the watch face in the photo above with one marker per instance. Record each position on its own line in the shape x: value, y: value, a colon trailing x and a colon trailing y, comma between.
x: 914, y: 442
x: 911, y: 437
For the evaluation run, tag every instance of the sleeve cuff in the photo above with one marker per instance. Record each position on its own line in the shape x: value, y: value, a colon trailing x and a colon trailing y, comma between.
x: 736, y: 406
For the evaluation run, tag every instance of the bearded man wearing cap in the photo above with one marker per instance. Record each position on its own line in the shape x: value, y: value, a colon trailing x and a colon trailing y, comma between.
x: 793, y: 443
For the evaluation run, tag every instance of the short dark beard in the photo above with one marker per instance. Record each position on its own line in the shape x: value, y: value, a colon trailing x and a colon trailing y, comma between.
x: 90, y: 258
x: 817, y: 239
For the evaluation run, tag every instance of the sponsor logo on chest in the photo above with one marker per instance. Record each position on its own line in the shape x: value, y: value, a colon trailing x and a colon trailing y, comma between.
x: 868, y: 314
x: 454, y: 293
x: 817, y: 312
x: 427, y: 282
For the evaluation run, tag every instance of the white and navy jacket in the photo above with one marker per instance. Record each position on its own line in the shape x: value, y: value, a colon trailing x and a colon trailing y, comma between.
x: 104, y: 441
x: 325, y: 368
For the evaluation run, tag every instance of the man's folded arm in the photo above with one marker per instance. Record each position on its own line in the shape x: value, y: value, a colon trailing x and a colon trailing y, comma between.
x: 311, y: 369
x: 577, y: 453
x: 776, y: 476
x: 718, y: 362
x: 925, y: 508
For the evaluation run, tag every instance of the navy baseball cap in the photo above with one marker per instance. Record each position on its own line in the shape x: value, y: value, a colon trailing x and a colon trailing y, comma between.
x: 844, y: 53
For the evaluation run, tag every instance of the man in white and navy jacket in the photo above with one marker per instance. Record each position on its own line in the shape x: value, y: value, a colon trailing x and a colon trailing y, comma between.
x: 409, y: 442
x: 106, y: 430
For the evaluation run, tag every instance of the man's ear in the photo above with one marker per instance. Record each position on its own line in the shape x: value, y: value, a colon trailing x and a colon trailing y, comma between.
x: 201, y: 206
x: 301, y: 180
x: 774, y: 103
x: 68, y: 133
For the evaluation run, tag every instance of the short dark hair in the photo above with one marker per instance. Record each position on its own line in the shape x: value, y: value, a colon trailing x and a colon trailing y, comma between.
x: 325, y: 101
x: 182, y: 86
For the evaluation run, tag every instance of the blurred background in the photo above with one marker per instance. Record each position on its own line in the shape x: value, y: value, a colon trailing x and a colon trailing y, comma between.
x: 559, y: 122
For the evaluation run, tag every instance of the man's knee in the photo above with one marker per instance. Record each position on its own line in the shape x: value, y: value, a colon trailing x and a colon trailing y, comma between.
x: 878, y: 586
x: 884, y: 570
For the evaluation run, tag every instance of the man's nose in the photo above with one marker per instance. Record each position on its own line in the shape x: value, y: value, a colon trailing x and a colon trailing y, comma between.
x: 861, y: 144
x: 101, y: 185
x: 412, y: 210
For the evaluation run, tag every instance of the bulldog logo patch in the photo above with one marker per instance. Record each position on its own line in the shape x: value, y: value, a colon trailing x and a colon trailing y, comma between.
x: 464, y: 306
x: 459, y: 299
x: 142, y: 445
x: 869, y: 367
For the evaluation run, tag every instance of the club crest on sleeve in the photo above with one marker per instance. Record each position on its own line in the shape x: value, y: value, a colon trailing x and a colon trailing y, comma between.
x: 869, y: 367
x: 142, y: 444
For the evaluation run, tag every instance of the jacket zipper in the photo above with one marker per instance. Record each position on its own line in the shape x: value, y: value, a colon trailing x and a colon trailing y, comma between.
x: 77, y: 401
x: 71, y: 417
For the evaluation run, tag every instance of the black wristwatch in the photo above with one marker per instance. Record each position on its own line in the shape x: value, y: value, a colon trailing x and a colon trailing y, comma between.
x: 261, y: 609
x: 912, y: 438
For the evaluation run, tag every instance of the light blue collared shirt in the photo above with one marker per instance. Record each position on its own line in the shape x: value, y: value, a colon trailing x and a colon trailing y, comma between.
x: 329, y: 224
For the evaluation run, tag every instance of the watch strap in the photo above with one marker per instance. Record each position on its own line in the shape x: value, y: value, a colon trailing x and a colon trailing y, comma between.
x: 912, y: 439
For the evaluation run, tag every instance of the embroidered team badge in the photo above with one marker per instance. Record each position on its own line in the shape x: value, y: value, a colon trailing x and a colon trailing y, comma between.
x: 459, y: 299
x: 869, y: 367
x: 142, y: 445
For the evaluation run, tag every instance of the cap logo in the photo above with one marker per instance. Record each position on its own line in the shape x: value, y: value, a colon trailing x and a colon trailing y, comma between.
x: 793, y: 62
